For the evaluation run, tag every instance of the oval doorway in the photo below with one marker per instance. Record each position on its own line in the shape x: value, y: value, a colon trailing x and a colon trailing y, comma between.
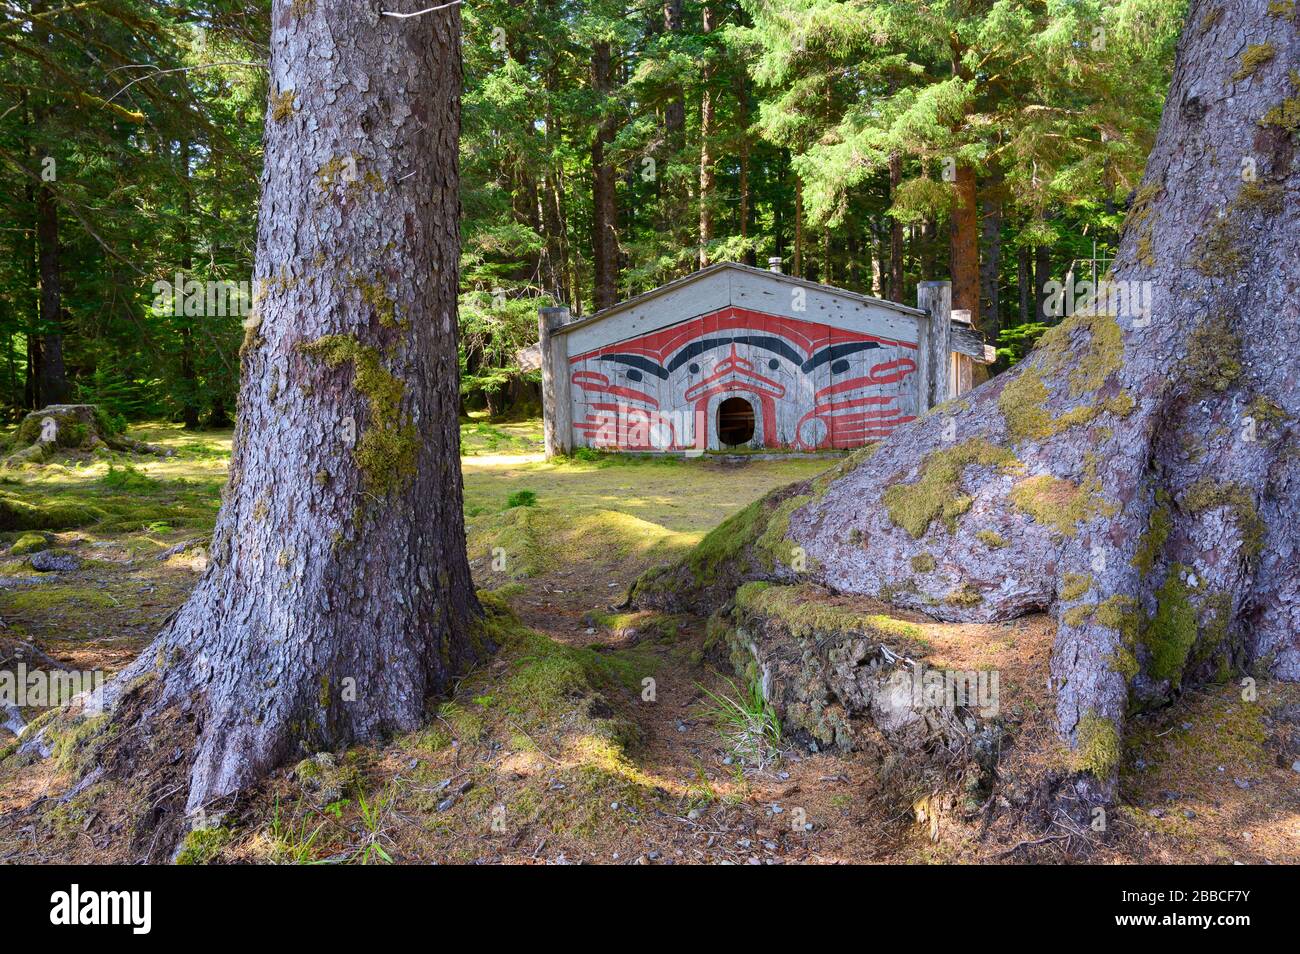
x: 735, y: 422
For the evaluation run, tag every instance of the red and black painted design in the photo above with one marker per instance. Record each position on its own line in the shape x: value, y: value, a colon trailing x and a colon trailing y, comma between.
x: 811, y: 386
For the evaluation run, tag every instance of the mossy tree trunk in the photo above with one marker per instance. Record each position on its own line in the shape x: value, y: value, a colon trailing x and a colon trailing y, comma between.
x: 339, y: 595
x: 1136, y: 476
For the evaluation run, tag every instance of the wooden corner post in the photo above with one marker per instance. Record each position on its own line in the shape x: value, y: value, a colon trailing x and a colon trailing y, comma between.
x: 557, y: 408
x: 935, y: 342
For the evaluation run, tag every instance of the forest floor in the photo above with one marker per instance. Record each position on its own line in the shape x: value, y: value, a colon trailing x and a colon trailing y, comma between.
x: 592, y: 735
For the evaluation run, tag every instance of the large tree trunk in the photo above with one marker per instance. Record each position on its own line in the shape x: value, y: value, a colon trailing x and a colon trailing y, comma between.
x: 1136, y: 475
x: 339, y: 595
x: 604, y: 240
x: 1042, y: 275
x: 675, y: 108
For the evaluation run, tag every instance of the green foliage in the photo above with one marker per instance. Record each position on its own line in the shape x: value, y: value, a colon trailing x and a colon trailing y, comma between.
x: 127, y: 478
x: 747, y: 722
x: 158, y: 165
x: 522, y: 498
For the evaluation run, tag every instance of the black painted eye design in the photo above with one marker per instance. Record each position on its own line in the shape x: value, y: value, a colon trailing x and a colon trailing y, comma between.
x: 694, y: 368
x: 774, y: 364
x: 839, y: 367
x: 634, y: 375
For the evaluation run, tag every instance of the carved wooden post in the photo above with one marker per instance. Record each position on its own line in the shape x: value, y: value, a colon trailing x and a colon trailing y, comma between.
x: 935, y: 299
x: 557, y: 409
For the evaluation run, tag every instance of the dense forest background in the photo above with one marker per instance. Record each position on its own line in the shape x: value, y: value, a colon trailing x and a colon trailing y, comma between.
x: 607, y: 147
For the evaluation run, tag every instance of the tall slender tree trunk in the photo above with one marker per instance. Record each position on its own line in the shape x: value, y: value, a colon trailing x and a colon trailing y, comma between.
x: 189, y: 375
x: 706, y: 145
x: 1042, y: 275
x: 1025, y: 283
x: 896, y: 290
x: 31, y: 272
x: 964, y: 245
x: 797, y: 266
x: 675, y: 108
x: 743, y: 151
x: 991, y: 263
x: 1137, y: 470
x: 52, y: 376
x: 339, y: 596
x: 604, y: 238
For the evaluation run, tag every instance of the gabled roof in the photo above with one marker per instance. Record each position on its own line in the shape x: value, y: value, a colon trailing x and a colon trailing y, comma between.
x: 965, y: 340
x: 721, y: 267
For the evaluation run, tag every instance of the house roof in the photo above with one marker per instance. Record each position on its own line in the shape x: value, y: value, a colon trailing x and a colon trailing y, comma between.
x: 713, y: 270
x: 965, y: 340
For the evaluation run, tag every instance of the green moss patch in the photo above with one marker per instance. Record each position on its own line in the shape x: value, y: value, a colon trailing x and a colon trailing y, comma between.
x: 1075, y: 585
x: 1061, y: 504
x: 29, y: 543
x: 202, y: 846
x: 1286, y: 114
x: 387, y: 446
x: 1024, y: 398
x: 1171, y: 633
x: 936, y: 494
x: 1099, y: 749
x: 1153, y: 541
x: 805, y: 611
x: 20, y: 515
x: 1254, y: 58
x: 1213, y: 361
x: 1209, y: 494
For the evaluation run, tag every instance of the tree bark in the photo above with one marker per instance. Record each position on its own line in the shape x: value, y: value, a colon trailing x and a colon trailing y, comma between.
x: 964, y: 247
x: 1025, y: 283
x: 338, y: 597
x: 706, y: 145
x: 1136, y: 472
x: 52, y: 379
x: 797, y: 266
x: 896, y: 289
x: 743, y: 144
x: 189, y: 375
x: 604, y: 238
x: 991, y: 267
x: 675, y: 108
x: 1042, y: 275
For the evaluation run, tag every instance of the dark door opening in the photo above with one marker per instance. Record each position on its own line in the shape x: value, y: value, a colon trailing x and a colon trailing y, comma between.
x: 735, y: 421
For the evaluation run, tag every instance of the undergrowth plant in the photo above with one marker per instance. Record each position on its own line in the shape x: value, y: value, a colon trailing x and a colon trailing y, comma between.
x: 747, y: 722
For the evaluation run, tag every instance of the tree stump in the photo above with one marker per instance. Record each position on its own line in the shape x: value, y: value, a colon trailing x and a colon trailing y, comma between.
x: 70, y: 427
